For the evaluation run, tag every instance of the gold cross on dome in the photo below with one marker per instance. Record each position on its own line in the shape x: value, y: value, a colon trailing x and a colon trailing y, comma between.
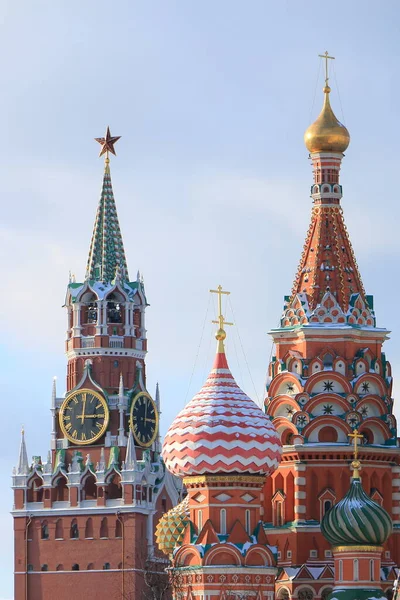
x: 355, y: 436
x: 326, y: 57
x: 221, y: 320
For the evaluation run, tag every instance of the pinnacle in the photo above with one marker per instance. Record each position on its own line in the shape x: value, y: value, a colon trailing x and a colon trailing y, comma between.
x: 107, y: 259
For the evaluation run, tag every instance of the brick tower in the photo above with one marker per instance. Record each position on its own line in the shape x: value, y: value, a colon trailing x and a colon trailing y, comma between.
x: 328, y: 376
x: 223, y: 446
x: 84, y: 518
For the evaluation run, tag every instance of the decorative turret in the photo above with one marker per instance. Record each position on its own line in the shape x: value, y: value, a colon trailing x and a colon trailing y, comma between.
x: 23, y: 465
x: 171, y: 527
x: 221, y: 430
x: 224, y: 446
x: 106, y: 313
x: 357, y: 527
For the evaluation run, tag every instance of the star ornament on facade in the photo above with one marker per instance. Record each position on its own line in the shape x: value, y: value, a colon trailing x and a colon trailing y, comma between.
x: 107, y: 143
x: 328, y: 386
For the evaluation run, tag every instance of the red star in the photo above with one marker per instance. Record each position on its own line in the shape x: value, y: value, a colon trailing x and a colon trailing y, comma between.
x: 107, y: 143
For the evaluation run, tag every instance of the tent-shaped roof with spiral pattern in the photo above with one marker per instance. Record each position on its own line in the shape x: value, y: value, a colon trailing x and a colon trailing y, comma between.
x: 356, y: 520
x: 221, y: 430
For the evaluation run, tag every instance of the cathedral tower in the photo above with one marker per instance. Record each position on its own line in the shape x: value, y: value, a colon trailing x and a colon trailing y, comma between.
x: 84, y: 517
x: 328, y: 376
x: 223, y: 446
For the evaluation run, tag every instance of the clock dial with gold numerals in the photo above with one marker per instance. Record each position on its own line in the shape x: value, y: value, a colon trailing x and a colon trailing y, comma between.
x: 84, y: 416
x: 144, y: 419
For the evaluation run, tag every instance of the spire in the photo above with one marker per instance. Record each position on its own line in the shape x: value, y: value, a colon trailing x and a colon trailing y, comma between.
x: 157, y: 397
x: 107, y: 255
x: 130, y: 458
x: 121, y: 396
x: 327, y: 264
x: 23, y: 465
x: 54, y: 393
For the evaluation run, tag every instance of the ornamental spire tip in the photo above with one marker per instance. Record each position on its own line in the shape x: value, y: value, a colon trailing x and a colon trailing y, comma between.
x: 220, y: 334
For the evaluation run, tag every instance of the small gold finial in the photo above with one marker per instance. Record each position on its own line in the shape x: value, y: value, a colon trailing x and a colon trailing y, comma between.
x: 355, y: 464
x: 326, y: 57
x: 221, y: 333
x: 22, y: 430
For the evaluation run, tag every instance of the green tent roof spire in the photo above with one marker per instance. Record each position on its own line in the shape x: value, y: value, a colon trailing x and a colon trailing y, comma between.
x: 107, y: 261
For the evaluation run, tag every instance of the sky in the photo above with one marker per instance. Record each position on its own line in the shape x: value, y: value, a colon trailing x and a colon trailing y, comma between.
x: 212, y: 179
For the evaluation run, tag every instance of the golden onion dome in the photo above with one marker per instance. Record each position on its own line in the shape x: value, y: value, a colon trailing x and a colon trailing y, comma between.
x: 327, y: 134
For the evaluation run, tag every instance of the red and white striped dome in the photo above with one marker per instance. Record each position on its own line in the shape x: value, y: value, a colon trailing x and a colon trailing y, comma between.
x: 221, y: 430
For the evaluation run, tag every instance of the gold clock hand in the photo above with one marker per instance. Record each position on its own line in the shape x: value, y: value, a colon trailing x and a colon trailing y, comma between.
x: 98, y: 416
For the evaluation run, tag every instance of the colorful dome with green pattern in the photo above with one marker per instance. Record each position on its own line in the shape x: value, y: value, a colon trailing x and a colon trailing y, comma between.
x: 171, y: 527
x: 356, y: 520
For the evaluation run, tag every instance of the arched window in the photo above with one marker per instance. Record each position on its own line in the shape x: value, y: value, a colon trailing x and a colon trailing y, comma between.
x: 247, y: 522
x: 90, y: 567
x: 325, y: 593
x: 222, y: 521
x: 89, y: 491
x: 118, y: 529
x: 59, y: 529
x: 104, y: 528
x: 35, y: 491
x: 114, y: 310
x: 29, y: 568
x: 114, y: 488
x: 283, y: 594
x: 106, y: 566
x: 44, y: 568
x: 371, y: 570
x: 60, y: 567
x: 305, y: 594
x: 328, y: 360
x: 45, y: 531
x: 75, y: 567
x: 89, y: 529
x: 60, y: 490
x: 327, y: 506
x: 74, y: 531
x: 355, y: 569
x: 279, y: 514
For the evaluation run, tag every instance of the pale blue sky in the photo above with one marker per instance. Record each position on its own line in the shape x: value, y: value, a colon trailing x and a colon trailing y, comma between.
x: 211, y: 180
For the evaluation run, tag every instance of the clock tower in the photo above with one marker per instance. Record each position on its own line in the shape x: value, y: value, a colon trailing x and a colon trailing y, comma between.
x: 84, y: 518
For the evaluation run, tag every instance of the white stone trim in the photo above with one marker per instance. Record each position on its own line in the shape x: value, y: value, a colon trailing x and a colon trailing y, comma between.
x: 300, y: 481
x: 300, y: 495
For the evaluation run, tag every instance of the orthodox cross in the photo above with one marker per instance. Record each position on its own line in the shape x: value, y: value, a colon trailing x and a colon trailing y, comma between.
x: 326, y: 57
x: 107, y: 143
x: 355, y: 436
x: 355, y: 465
x: 221, y: 320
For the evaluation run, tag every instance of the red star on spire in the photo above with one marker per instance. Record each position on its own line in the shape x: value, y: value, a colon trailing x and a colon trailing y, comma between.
x: 107, y: 143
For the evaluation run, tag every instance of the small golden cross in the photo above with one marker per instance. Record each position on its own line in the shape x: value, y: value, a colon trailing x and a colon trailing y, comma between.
x: 355, y: 436
x: 221, y: 320
x: 326, y: 57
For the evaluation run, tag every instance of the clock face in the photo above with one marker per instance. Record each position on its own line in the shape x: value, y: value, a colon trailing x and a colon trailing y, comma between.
x: 84, y: 416
x: 144, y: 419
